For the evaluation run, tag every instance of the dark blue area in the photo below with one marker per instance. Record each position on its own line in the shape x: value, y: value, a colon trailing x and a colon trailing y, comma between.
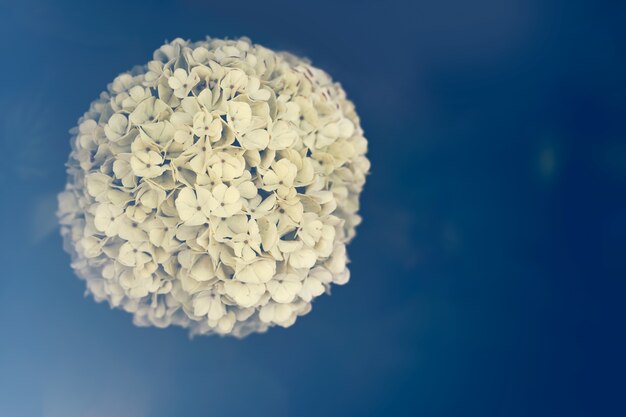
x: 488, y: 277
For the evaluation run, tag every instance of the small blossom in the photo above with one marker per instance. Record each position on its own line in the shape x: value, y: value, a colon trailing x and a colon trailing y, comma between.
x: 147, y: 164
x: 199, y: 155
x: 117, y: 127
x: 239, y: 116
x: 226, y: 165
x: 258, y: 207
x: 182, y: 83
x: 290, y: 211
x: 98, y: 185
x: 124, y: 172
x: 207, y: 304
x: 122, y: 83
x: 247, y: 245
x: 149, y: 111
x: 224, y: 201
x: 108, y: 219
x: 136, y: 95
x: 226, y: 323
x: 155, y: 72
x: 284, y: 287
x: 193, y: 206
x: 280, y: 177
x: 276, y: 313
x: 303, y: 258
x: 131, y: 229
x: 311, y: 288
x: 205, y: 126
x: 244, y: 294
x: 256, y: 139
x: 134, y: 253
x: 257, y: 272
x: 162, y: 233
x: 283, y: 136
x: 233, y: 82
x: 311, y: 230
x: 137, y: 285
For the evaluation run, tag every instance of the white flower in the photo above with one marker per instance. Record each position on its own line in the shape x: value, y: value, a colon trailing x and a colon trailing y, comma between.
x: 225, y: 229
x: 150, y: 196
x: 155, y: 72
x: 243, y: 293
x: 205, y: 126
x: 156, y: 135
x: 225, y: 324
x: 148, y: 111
x: 303, y: 258
x: 239, y: 116
x: 89, y: 246
x: 257, y: 272
x: 255, y: 92
x: 290, y: 211
x: 117, y: 127
x: 311, y: 230
x: 224, y: 201
x: 284, y: 287
x: 135, y: 253
x: 136, y: 95
x: 258, y: 207
x: 137, y: 285
x: 280, y: 177
x: 147, y: 164
x: 256, y: 139
x: 201, y: 55
x: 199, y: 155
x: 122, y: 83
x: 200, y: 268
x: 193, y: 206
x: 182, y: 83
x: 162, y: 233
x: 246, y: 187
x: 131, y: 230
x: 226, y: 165
x: 283, y: 136
x: 276, y: 313
x: 247, y: 245
x: 87, y: 131
x: 215, y: 188
x: 210, y: 305
x: 108, y: 219
x: 269, y: 236
x: 311, y: 288
x: 234, y: 81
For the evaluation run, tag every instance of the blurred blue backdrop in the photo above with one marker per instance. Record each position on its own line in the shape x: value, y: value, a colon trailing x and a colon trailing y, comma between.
x: 488, y: 278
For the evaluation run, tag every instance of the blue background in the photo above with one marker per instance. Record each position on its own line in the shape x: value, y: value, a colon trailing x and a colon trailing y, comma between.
x: 488, y: 278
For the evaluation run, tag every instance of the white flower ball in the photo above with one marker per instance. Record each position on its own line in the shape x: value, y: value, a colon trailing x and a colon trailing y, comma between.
x: 215, y: 188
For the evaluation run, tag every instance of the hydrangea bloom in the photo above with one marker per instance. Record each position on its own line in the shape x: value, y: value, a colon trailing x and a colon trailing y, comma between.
x: 215, y: 188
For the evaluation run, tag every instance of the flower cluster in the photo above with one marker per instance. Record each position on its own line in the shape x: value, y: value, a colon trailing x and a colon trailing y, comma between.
x: 215, y: 188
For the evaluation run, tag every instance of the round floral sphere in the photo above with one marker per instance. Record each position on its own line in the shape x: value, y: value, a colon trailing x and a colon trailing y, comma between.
x: 215, y: 188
